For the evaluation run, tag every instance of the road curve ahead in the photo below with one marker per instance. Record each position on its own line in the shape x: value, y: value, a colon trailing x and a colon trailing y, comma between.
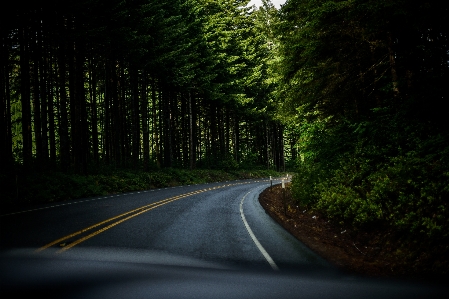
x: 201, y: 241
x: 219, y: 222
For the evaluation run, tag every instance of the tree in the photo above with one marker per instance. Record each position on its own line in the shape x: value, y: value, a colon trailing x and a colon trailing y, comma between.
x: 362, y: 85
x: 174, y: 83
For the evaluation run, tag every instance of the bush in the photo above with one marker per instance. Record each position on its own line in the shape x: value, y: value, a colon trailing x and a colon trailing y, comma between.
x: 36, y: 187
x: 400, y: 181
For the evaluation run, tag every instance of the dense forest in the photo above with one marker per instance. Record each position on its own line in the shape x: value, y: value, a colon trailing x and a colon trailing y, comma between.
x: 365, y: 85
x: 148, y: 84
x: 349, y: 93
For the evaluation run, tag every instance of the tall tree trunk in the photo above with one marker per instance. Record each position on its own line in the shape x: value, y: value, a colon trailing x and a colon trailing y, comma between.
x: 274, y: 142
x: 227, y: 137
x: 185, y: 129
x: 25, y: 97
x: 221, y: 133
x: 282, y: 150
x: 63, y: 118
x: 157, y: 124
x: 213, y: 141
x: 94, y: 113
x: 145, y: 128
x: 135, y: 125
x: 237, y: 138
x: 123, y: 123
x: 44, y: 82
x: 73, y: 106
x: 107, y: 127
x: 78, y: 117
x: 82, y: 108
x: 51, y: 115
x: 5, y: 108
x: 167, y: 144
x: 115, y: 113
x: 175, y: 140
x: 191, y: 134
x: 37, y: 97
x: 267, y: 141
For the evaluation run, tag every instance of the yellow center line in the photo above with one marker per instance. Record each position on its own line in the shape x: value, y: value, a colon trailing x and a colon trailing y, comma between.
x: 133, y: 213
x: 157, y: 204
x: 112, y: 225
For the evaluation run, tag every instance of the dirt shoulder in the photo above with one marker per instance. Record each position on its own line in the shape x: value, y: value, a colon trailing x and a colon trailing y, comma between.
x: 374, y: 253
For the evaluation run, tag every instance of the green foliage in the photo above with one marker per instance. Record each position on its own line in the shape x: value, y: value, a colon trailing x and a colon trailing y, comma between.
x: 343, y: 195
x: 249, y: 161
x: 374, y: 183
x: 304, y: 183
x: 414, y: 188
x: 31, y: 188
x: 362, y: 86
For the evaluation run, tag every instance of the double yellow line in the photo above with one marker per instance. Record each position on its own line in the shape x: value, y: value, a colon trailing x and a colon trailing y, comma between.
x: 111, y: 222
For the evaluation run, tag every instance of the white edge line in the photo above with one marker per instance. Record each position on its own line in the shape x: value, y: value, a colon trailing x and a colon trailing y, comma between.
x: 250, y: 232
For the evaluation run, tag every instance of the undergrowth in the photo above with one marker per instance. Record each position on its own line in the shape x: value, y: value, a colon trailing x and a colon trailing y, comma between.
x: 53, y: 186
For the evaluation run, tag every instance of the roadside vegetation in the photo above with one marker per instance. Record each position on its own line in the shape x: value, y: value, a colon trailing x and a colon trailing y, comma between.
x: 41, y: 187
x: 366, y: 84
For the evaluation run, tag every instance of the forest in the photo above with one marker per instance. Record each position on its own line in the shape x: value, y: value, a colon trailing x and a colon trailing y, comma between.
x: 365, y: 85
x: 348, y: 94
x: 164, y: 83
x: 139, y: 84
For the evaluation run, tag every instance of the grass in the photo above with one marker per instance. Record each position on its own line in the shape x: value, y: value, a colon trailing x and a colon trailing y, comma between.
x: 52, y: 186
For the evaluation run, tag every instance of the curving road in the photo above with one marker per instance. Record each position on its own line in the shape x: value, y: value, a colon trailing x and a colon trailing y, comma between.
x: 201, y: 241
x: 219, y: 222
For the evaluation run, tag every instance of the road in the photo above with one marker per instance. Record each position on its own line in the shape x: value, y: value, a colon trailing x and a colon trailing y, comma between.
x: 199, y: 241
x: 219, y: 222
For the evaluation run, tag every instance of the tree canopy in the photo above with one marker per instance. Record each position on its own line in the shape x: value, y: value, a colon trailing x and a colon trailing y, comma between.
x: 153, y: 83
x: 364, y: 86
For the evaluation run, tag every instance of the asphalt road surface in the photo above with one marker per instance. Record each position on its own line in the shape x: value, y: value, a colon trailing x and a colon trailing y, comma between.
x: 220, y: 222
x: 198, y: 241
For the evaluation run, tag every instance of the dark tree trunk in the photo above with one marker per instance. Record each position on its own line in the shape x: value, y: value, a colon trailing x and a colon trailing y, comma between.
x: 44, y: 82
x: 185, y: 129
x: 275, y: 147
x: 115, y: 113
x: 237, y: 138
x: 37, y: 95
x: 63, y: 118
x: 227, y: 131
x: 94, y: 113
x: 157, y: 124
x: 213, y: 141
x: 81, y: 108
x: 167, y: 144
x: 192, y: 133
x: 51, y: 114
x: 123, y: 121
x: 5, y: 108
x: 267, y: 143
x: 25, y: 96
x: 145, y: 128
x: 78, y: 116
x: 135, y: 125
x: 175, y: 140
x: 107, y: 126
x: 73, y: 103
x: 221, y: 133
x: 282, y: 150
